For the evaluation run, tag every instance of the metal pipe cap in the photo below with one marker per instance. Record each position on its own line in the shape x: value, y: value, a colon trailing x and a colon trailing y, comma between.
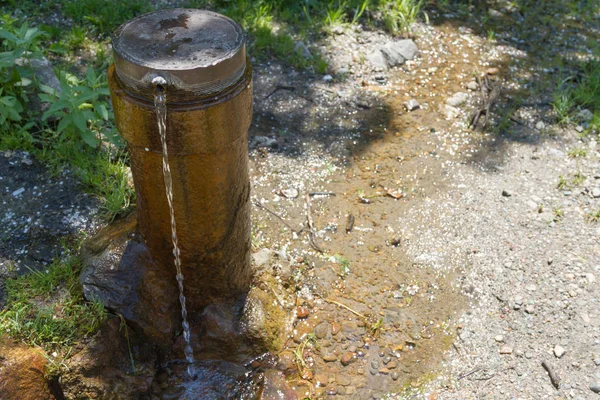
x: 197, y: 53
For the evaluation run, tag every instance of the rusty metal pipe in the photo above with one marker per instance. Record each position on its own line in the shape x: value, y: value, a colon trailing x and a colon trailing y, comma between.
x: 201, y: 55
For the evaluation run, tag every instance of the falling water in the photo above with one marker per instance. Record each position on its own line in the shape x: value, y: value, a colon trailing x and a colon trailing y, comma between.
x: 160, y: 104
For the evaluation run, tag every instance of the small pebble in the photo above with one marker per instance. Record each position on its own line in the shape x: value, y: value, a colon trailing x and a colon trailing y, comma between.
x: 595, y: 387
x: 302, y: 312
x: 348, y: 358
x: 499, y: 338
x: 492, y: 71
x: 472, y: 85
x: 506, y: 350
x: 412, y: 105
x: 559, y: 351
x: 506, y: 193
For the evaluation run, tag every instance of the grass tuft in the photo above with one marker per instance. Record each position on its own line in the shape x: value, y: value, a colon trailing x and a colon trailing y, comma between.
x: 47, y: 308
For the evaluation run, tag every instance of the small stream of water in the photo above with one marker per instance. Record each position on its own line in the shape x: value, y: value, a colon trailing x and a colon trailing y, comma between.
x: 160, y: 104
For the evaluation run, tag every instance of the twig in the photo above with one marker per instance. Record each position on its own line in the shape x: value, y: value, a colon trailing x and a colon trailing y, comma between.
x: 518, y: 121
x: 312, y: 194
x: 347, y: 308
x: 553, y: 377
x: 311, y: 227
x: 489, y: 94
x: 262, y: 206
x: 463, y: 376
x: 350, y: 223
x: 280, y: 87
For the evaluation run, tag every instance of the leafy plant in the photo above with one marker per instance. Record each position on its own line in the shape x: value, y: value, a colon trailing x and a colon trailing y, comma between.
x: 81, y: 107
x: 19, y: 46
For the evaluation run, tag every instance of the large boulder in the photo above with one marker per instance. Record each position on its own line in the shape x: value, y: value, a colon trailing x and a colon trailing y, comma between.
x: 22, y: 372
x: 120, y: 271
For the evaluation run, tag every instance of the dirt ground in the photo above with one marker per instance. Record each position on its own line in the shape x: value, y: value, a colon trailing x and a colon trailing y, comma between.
x: 443, y: 261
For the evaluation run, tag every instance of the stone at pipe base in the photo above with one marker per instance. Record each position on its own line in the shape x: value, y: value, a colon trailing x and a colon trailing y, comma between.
x: 22, y: 371
x: 115, y: 364
x: 119, y: 271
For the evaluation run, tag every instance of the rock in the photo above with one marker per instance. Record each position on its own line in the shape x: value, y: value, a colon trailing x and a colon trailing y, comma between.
x: 287, y: 361
x: 335, y: 328
x: 412, y: 105
x: 492, y: 71
x: 119, y: 270
x: 18, y: 192
x: 499, y: 338
x: 263, y: 141
x: 506, y: 193
x: 348, y: 358
x: 22, y: 372
x: 327, y: 78
x: 43, y: 71
x: 321, y: 380
x: 322, y: 330
x: 302, y: 312
x: 329, y: 357
x: 392, y: 56
x: 301, y: 49
x: 290, y: 193
x: 473, y: 85
x: 597, y: 362
x: 406, y: 48
x: 395, y: 375
x: 585, y: 115
x: 457, y: 99
x: 559, y: 351
x: 377, y: 59
x: 449, y: 111
x: 263, y: 321
x: 343, y: 379
x: 595, y: 387
x: 262, y: 257
x: 540, y: 125
x: 596, y: 192
x: 530, y: 309
x: 302, y: 330
x: 275, y: 387
x: 506, y: 349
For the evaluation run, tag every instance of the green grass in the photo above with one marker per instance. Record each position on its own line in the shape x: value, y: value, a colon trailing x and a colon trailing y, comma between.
x: 577, y: 152
x: 105, y: 15
x: 593, y: 216
x: 579, y: 91
x: 47, y: 308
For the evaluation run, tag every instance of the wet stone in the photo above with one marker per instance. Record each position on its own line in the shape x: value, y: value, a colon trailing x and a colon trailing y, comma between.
x: 329, y: 357
x: 335, y: 328
x: 286, y: 361
x: 302, y: 312
x: 302, y: 330
x: 321, y: 380
x: 395, y: 375
x: 343, y: 380
x: 348, y: 358
x: 321, y: 330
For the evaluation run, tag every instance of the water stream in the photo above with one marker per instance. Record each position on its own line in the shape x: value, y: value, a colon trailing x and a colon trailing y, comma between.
x: 160, y: 104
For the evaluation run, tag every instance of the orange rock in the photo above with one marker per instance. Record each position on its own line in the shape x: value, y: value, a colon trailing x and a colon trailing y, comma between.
x: 22, y: 372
